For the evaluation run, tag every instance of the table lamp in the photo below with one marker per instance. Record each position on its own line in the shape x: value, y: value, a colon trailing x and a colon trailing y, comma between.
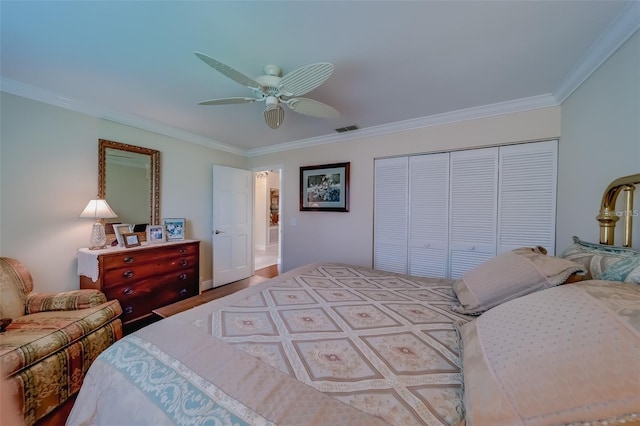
x: 98, y: 209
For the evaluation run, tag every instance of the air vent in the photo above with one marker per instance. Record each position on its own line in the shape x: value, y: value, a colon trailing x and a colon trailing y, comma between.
x: 347, y: 128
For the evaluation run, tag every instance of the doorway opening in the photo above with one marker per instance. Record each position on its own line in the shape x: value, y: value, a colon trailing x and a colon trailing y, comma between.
x: 266, y: 235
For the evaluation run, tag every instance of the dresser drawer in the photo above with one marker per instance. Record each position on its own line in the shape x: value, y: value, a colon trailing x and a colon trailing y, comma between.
x: 140, y: 299
x: 141, y: 257
x: 150, y: 286
x: 132, y: 273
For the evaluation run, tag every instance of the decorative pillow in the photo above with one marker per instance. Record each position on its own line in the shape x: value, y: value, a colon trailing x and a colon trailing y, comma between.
x: 565, y: 355
x: 604, y: 262
x: 510, y: 275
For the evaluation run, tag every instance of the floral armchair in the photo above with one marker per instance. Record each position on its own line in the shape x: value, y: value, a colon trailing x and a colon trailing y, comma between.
x: 48, y: 341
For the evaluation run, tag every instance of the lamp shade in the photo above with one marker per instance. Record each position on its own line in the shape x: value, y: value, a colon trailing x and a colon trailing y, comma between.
x: 98, y: 209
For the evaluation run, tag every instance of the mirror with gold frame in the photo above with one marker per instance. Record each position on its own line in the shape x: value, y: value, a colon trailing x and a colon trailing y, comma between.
x: 129, y: 179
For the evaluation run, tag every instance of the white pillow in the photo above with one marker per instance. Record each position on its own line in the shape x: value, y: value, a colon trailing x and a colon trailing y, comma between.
x: 568, y: 354
x: 508, y: 276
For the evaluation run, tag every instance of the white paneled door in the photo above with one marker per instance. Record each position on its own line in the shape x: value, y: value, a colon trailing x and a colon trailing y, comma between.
x: 390, y: 219
x: 473, y: 209
x: 429, y: 215
x: 232, y: 224
x: 527, y: 196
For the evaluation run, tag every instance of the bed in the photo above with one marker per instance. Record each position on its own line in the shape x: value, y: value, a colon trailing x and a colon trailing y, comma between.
x: 332, y: 344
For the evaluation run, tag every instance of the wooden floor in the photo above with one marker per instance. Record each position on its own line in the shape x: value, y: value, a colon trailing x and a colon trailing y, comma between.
x: 216, y: 293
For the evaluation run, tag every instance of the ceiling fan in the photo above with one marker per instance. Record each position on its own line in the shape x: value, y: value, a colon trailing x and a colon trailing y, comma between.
x: 275, y: 89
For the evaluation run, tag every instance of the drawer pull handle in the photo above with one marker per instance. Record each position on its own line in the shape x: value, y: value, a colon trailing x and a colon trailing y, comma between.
x: 128, y: 291
x: 128, y: 310
x: 184, y: 262
x: 183, y: 251
x: 183, y: 292
x: 183, y: 277
x: 127, y: 274
x: 128, y: 259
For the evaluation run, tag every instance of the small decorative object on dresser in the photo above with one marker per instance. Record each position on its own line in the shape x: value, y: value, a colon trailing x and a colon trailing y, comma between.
x: 174, y: 228
x: 100, y: 210
x: 155, y: 234
x: 142, y: 278
x: 131, y: 240
x: 120, y: 229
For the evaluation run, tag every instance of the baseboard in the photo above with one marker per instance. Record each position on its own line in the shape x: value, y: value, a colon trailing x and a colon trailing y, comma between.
x: 206, y: 285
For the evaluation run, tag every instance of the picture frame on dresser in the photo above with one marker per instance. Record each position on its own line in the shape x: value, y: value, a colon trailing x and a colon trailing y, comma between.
x: 156, y: 234
x: 120, y: 229
x: 131, y: 240
x: 174, y: 228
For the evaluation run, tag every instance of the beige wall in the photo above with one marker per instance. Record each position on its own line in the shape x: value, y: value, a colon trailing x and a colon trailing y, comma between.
x: 49, y: 171
x: 600, y: 142
x: 348, y: 237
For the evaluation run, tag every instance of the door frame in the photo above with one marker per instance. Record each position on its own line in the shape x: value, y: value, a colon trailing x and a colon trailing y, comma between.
x: 280, y: 168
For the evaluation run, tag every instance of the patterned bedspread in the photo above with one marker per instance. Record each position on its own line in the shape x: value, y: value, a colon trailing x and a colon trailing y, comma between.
x: 322, y: 344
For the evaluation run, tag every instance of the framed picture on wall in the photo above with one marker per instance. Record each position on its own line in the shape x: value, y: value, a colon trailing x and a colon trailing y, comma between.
x: 325, y: 187
x: 174, y: 228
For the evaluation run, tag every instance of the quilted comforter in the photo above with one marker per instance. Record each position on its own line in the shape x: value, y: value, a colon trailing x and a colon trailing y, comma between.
x: 321, y: 344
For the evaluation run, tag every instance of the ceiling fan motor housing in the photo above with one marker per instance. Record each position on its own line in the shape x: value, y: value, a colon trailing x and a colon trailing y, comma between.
x: 269, y: 84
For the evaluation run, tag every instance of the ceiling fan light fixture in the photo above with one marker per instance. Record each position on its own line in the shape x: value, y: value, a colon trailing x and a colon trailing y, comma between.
x: 274, y: 115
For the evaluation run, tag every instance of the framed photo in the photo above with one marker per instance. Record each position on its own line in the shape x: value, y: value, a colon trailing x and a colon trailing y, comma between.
x: 325, y: 187
x: 155, y: 234
x: 131, y: 240
x: 174, y: 228
x: 120, y: 229
x: 140, y: 227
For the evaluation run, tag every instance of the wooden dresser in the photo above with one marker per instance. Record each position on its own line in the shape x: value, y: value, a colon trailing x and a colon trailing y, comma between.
x: 142, y: 278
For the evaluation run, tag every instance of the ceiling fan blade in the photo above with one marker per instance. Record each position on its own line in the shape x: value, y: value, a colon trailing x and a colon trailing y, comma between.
x: 233, y: 74
x: 227, y: 101
x: 314, y: 108
x: 305, y: 79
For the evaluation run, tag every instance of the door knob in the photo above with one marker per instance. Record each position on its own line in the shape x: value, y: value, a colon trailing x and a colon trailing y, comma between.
x: 218, y: 232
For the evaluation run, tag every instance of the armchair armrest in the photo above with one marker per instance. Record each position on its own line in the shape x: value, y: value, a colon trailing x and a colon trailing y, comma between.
x: 65, y: 301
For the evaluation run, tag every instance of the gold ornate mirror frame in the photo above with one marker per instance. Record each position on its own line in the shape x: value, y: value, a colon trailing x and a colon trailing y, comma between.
x: 154, y: 158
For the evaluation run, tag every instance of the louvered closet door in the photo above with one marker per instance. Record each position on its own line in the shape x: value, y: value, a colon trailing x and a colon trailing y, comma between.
x: 429, y: 215
x: 527, y: 196
x: 473, y: 209
x: 390, y: 215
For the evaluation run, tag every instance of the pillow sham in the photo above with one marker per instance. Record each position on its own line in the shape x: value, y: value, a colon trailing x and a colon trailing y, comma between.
x: 564, y: 355
x: 508, y: 276
x: 605, y: 262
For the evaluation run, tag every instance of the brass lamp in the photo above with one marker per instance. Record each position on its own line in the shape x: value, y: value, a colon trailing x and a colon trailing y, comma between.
x: 98, y: 209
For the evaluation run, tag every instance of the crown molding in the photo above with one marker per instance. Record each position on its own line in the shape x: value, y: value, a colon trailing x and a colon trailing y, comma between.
x: 28, y: 91
x: 501, y: 108
x: 622, y: 28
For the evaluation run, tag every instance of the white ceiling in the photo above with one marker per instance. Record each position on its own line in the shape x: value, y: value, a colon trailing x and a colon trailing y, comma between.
x: 395, y: 61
